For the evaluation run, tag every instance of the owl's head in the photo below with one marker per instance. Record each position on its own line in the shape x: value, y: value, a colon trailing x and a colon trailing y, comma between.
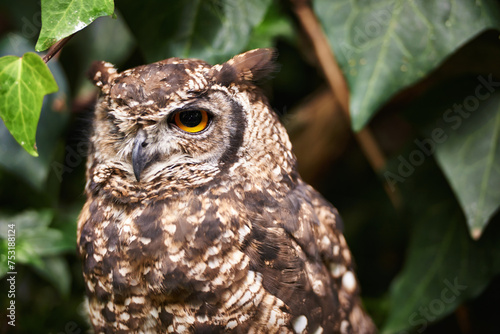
x: 180, y: 115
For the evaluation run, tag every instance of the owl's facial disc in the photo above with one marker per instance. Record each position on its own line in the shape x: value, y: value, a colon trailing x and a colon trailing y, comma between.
x: 139, y: 159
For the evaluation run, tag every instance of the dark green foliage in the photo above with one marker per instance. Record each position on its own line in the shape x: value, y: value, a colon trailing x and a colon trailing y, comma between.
x: 425, y: 73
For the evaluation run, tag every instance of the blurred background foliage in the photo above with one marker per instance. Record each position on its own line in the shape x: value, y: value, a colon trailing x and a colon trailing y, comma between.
x: 423, y: 77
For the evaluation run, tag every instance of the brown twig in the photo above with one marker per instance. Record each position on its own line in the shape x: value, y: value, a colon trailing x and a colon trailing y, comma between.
x: 54, y: 49
x: 463, y: 319
x: 338, y: 85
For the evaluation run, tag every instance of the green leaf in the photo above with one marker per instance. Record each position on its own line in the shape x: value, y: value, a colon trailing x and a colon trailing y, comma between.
x: 55, y: 270
x: 207, y: 29
x: 466, y: 113
x: 444, y: 266
x: 23, y: 84
x: 275, y: 24
x: 52, y: 123
x: 470, y: 159
x: 26, y: 224
x: 34, y: 238
x: 384, y: 46
x: 3, y: 258
x: 61, y: 18
x: 46, y: 242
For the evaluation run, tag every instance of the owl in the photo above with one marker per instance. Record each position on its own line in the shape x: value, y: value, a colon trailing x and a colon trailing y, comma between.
x: 196, y: 219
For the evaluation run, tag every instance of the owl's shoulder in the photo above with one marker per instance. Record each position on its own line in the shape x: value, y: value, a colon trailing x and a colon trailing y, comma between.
x: 295, y: 240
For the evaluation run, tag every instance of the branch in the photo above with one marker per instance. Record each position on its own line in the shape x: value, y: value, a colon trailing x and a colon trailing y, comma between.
x: 338, y: 86
x: 54, y: 49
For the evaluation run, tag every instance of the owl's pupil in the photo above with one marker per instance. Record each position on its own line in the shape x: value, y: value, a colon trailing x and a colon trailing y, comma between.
x: 191, y: 118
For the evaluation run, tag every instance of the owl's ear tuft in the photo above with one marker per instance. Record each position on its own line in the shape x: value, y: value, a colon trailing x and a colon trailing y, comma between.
x: 251, y: 66
x: 101, y: 73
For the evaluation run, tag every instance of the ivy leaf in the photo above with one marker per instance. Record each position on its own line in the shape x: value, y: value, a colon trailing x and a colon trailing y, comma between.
x: 384, y: 46
x: 61, y: 18
x: 465, y: 112
x: 470, y: 158
x: 38, y: 245
x: 23, y: 84
x: 443, y: 269
x: 55, y: 269
x: 52, y: 123
x: 444, y: 266
x: 34, y: 237
x: 27, y: 224
x: 274, y: 24
x: 212, y: 30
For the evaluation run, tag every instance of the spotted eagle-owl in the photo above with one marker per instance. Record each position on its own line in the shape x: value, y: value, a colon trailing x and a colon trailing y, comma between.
x: 196, y: 218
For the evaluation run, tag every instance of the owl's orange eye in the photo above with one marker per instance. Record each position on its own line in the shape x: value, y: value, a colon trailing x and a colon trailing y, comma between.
x: 191, y: 120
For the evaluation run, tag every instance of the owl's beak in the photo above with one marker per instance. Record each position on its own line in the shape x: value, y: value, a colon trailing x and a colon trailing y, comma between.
x: 139, y: 159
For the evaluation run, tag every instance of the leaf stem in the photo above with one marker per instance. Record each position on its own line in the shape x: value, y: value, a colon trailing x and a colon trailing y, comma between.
x: 54, y: 49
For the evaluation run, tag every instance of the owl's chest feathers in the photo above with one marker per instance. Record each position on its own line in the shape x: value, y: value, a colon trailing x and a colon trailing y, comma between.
x: 169, y: 248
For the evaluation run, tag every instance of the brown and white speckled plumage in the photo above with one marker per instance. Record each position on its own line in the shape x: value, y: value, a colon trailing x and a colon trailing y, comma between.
x: 218, y: 233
